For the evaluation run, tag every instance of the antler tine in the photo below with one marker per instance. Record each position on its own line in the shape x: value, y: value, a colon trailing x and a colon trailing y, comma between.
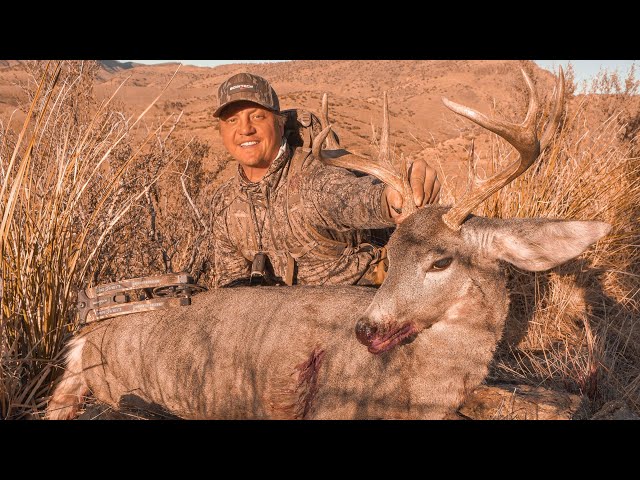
x: 381, y: 169
x: 557, y: 111
x: 332, y: 143
x: 384, y: 135
x: 517, y: 135
x: 522, y: 137
x: 344, y: 159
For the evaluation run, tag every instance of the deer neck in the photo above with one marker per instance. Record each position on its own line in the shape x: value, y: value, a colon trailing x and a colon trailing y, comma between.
x: 452, y: 358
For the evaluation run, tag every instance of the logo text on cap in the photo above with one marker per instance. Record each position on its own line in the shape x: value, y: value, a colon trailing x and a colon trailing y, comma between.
x: 235, y: 87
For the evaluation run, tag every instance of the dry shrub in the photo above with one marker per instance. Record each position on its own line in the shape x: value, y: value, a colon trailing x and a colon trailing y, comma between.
x: 168, y: 229
x: 575, y: 327
x: 77, y: 198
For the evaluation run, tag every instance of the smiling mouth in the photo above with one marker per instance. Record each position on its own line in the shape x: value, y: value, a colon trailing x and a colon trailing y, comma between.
x: 405, y: 334
x: 248, y: 144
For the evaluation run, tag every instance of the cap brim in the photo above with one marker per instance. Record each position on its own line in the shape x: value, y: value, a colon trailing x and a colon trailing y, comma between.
x: 219, y: 110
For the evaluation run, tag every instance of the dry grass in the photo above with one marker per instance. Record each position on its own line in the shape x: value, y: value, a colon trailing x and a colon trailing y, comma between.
x: 68, y: 182
x: 576, y: 328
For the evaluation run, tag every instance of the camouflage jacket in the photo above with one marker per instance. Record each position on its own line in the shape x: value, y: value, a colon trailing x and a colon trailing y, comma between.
x: 305, y: 212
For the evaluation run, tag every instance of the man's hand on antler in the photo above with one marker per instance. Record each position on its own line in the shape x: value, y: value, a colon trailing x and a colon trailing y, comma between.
x: 424, y: 184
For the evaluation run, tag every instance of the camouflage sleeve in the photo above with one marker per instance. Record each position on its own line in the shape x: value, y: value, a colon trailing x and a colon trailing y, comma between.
x: 228, y: 262
x: 337, y: 199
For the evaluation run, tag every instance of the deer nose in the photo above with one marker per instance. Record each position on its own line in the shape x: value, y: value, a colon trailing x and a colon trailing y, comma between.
x: 365, y: 331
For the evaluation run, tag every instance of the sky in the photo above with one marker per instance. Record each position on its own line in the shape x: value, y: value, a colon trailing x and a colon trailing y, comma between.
x: 584, y: 69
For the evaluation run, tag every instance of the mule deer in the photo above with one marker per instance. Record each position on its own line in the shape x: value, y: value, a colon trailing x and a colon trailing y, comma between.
x: 411, y: 349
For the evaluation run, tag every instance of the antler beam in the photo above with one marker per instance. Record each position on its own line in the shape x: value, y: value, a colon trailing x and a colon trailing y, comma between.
x: 522, y: 137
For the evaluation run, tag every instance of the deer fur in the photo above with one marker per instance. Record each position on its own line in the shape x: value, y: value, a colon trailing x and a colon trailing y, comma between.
x: 414, y: 348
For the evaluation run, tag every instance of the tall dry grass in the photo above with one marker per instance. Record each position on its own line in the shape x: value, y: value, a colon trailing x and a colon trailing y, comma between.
x: 67, y: 181
x: 577, y: 328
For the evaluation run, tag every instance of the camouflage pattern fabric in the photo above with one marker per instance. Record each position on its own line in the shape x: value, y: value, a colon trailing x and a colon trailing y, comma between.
x: 321, y: 217
x: 246, y: 86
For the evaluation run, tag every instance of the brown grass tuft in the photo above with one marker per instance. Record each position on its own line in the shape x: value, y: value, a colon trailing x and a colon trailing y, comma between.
x: 75, y: 190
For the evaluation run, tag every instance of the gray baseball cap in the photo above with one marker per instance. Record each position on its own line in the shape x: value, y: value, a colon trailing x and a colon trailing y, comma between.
x: 245, y: 86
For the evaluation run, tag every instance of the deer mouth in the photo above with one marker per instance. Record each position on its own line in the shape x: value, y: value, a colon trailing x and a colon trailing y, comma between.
x: 404, y: 334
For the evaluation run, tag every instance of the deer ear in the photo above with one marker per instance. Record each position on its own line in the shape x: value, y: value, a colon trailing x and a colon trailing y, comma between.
x: 537, y: 244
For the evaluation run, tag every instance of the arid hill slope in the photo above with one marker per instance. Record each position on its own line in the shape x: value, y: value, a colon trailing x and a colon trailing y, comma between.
x: 421, y: 125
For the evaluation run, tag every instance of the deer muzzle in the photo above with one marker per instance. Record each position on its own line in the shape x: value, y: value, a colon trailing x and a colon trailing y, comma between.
x: 379, y: 341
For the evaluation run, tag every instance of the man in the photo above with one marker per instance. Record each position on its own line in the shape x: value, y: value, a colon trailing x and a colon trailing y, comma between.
x: 287, y: 217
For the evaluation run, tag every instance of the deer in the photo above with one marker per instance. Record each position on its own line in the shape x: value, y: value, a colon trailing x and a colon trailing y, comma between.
x: 414, y: 348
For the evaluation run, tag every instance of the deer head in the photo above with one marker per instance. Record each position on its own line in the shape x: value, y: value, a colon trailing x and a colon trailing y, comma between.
x: 444, y: 262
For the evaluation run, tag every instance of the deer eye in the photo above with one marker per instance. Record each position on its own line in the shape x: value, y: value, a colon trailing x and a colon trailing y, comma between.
x: 442, y: 263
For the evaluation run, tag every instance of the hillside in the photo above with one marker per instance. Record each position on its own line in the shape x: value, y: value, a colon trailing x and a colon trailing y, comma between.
x: 421, y: 125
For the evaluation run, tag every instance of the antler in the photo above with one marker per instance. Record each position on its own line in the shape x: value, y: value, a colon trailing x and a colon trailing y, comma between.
x: 381, y: 169
x: 522, y: 137
x: 332, y: 142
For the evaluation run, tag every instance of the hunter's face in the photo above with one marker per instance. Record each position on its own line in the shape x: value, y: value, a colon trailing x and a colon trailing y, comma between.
x: 250, y: 133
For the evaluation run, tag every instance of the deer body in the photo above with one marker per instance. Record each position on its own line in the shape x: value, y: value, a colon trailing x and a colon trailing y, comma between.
x: 213, y: 366
x: 297, y: 352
